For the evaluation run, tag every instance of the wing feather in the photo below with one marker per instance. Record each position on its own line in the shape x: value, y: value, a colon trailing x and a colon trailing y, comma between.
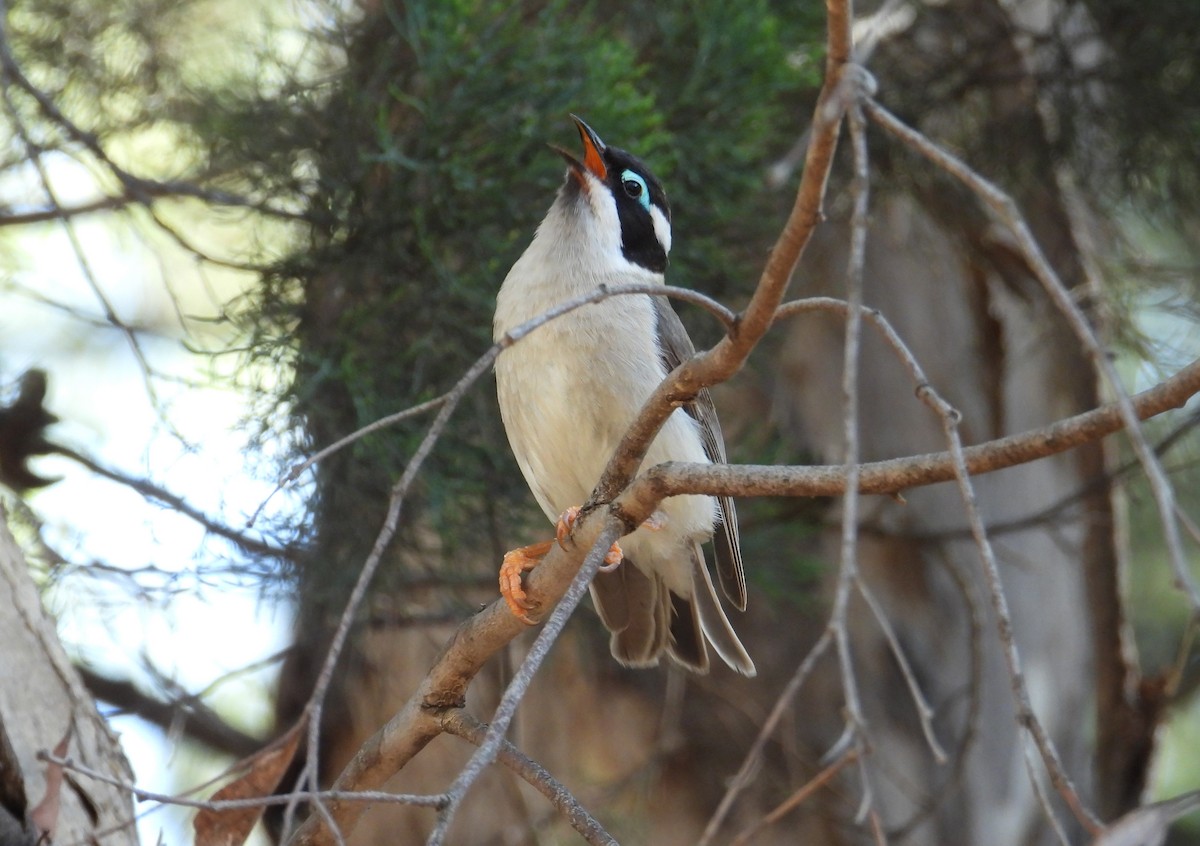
x: 675, y: 347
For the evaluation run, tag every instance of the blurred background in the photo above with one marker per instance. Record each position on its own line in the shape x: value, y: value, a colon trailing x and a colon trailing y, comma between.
x: 234, y: 232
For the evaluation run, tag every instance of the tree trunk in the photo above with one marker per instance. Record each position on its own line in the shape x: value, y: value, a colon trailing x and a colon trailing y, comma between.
x: 42, y: 699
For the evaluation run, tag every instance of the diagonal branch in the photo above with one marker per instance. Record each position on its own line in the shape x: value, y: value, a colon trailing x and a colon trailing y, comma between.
x: 727, y: 357
x: 462, y: 724
x: 197, y: 721
x: 1005, y: 208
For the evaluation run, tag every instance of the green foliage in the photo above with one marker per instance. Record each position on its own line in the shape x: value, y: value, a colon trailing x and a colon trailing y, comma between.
x: 1151, y: 103
x: 429, y: 174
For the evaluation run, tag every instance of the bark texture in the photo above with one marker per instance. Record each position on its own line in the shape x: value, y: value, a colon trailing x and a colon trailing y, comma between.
x: 41, y: 699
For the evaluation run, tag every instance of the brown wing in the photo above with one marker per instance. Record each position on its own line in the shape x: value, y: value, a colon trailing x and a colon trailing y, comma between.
x: 676, y: 347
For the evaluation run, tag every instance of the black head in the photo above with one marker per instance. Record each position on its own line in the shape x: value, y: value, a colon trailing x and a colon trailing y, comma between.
x: 642, y: 207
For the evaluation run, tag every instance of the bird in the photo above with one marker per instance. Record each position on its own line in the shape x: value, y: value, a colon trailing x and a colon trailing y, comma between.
x: 569, y: 390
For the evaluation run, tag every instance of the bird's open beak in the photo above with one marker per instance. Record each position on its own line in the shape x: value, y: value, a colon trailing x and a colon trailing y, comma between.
x: 593, y: 149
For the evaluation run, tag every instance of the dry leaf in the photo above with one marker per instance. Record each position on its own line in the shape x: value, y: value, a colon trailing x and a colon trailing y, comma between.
x: 263, y: 771
x: 45, y: 815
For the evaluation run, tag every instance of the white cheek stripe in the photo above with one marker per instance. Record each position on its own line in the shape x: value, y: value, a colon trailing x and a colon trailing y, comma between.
x: 662, y: 228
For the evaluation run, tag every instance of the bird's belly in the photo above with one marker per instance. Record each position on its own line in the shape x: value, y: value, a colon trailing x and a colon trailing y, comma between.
x: 567, y: 394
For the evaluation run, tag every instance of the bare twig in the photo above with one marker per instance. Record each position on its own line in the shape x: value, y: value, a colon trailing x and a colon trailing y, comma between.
x: 924, y: 712
x: 953, y: 780
x: 808, y: 789
x: 159, y: 494
x: 200, y: 723
x: 848, y: 559
x: 1007, y: 211
x: 374, y: 558
x: 753, y: 757
x: 898, y: 474
x: 462, y: 724
x: 1039, y: 791
x: 364, y: 796
x: 515, y: 692
x: 1026, y: 717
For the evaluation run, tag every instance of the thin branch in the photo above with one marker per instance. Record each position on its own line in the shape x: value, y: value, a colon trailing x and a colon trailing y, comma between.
x: 1026, y: 717
x: 953, y: 781
x: 462, y: 724
x: 53, y: 213
x: 899, y: 474
x: 374, y: 559
x: 156, y: 493
x: 364, y: 796
x: 751, y: 763
x: 1007, y: 211
x: 799, y: 797
x: 924, y: 711
x: 515, y: 692
x: 1059, y: 507
x: 199, y: 722
x: 1039, y: 791
x: 848, y: 558
x: 340, y: 444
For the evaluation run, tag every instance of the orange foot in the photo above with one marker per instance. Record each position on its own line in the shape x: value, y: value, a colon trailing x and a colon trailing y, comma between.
x: 515, y: 563
x: 566, y: 523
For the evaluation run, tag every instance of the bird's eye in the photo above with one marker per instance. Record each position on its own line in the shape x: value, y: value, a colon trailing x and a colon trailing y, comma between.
x: 635, y: 188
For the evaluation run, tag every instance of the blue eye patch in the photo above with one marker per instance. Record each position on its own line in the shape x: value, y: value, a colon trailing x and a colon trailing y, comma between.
x: 635, y: 187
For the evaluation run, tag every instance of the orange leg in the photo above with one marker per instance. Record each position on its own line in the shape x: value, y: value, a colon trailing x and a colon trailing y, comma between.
x: 520, y: 561
x: 515, y: 563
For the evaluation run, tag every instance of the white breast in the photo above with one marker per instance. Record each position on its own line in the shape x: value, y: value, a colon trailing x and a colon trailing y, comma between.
x: 570, y: 389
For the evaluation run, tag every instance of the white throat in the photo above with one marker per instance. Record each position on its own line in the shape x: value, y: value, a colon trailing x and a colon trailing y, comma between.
x: 576, y: 248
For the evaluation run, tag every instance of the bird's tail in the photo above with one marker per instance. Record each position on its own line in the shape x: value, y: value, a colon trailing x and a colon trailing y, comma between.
x: 713, y: 621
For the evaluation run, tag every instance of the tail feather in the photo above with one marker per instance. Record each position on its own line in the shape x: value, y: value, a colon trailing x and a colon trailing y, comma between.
x: 646, y: 619
x: 687, y: 644
x: 634, y: 607
x: 716, y: 625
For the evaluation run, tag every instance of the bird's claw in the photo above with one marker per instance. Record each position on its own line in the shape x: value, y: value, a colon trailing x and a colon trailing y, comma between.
x: 566, y: 524
x: 612, y: 558
x: 517, y: 562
